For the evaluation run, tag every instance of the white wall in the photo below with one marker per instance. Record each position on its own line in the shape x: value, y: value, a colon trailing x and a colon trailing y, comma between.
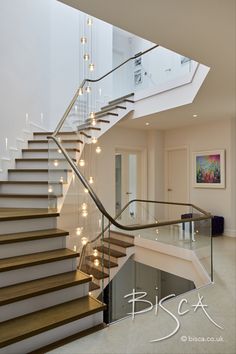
x: 104, y: 166
x: 210, y: 136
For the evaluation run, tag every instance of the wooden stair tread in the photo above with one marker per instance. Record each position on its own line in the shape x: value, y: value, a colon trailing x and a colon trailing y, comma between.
x: 33, y: 259
x: 41, y: 286
x: 30, y: 159
x: 93, y: 286
x: 32, y: 235
x: 7, y: 214
x: 96, y: 273
x: 111, y: 107
x: 117, y: 242
x: 103, y: 114
x: 46, y: 150
x: 40, y: 196
x: 113, y: 253
x: 50, y: 133
x: 86, y: 135
x: 31, y: 182
x: 121, y: 98
x: 26, y: 326
x: 106, y: 263
x: 46, y: 141
x: 37, y: 169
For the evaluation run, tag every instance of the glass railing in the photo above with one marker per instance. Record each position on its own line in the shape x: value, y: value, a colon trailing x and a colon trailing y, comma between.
x: 75, y: 154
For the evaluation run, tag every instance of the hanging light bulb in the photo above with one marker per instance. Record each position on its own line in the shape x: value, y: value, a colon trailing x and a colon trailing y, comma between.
x: 89, y: 21
x: 80, y: 91
x: 91, y: 180
x: 91, y: 67
x: 50, y: 189
x: 84, y: 213
x: 93, y: 122
x: 86, y: 56
x: 95, y: 253
x: 86, y: 190
x: 74, y: 248
x: 61, y: 179
x: 96, y: 262
x: 157, y: 231
x: 79, y: 231
x: 91, y: 115
x: 98, y: 149
x: 83, y: 40
x: 94, y: 140
x: 59, y: 151
x: 76, y: 108
x: 88, y: 89
x: 81, y: 163
x: 84, y: 240
x: 84, y: 206
x: 55, y: 163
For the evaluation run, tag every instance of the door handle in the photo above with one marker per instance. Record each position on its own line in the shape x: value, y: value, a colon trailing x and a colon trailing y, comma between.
x: 169, y: 190
x: 128, y: 193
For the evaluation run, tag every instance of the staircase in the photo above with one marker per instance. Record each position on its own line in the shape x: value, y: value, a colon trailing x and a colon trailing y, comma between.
x: 45, y: 300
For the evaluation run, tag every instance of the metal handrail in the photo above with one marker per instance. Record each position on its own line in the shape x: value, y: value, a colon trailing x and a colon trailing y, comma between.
x: 65, y: 115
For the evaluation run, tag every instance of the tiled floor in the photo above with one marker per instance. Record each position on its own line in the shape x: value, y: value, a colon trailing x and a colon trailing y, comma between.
x: 134, y: 337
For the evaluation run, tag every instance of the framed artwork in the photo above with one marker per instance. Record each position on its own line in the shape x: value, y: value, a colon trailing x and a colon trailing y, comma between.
x: 138, y: 79
x: 138, y: 61
x: 209, y: 169
x: 184, y: 60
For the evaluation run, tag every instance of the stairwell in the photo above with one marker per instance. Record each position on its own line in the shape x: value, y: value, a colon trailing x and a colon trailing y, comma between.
x: 45, y: 300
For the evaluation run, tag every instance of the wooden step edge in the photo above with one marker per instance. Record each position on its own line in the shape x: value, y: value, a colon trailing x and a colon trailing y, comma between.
x: 70, y: 339
x: 103, y: 121
x: 32, y: 182
x: 36, y: 196
x: 62, y: 141
x: 93, y: 286
x: 41, y: 159
x: 86, y: 135
x: 31, y: 236
x: 117, y: 242
x: 46, y: 150
x: 33, y: 215
x: 111, y: 252
x: 50, y: 133
x: 103, y: 114
x: 111, y: 107
x: 37, y: 287
x: 106, y: 263
x: 121, y: 98
x: 34, y: 262
x: 92, y: 128
x: 54, y: 324
x: 38, y: 170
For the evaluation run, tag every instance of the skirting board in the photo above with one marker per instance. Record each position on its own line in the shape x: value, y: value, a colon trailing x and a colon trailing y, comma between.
x: 230, y: 232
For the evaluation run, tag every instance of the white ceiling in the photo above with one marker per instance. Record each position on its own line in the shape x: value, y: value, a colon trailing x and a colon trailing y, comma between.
x: 203, y: 30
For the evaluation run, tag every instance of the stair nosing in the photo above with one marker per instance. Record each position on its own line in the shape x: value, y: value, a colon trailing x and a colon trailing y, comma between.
x: 116, y: 242
x: 46, y: 290
x: 37, y: 261
x: 44, y: 214
x: 28, y: 236
x: 25, y: 196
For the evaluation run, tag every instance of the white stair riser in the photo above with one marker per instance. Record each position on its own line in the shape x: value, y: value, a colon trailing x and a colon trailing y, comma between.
x: 26, y: 202
x: 40, y: 302
x: 30, y: 188
x: 42, y: 145
x: 121, y: 237
x: 106, y: 256
x: 24, y: 225
x: 52, y: 175
x: 60, y: 164
x: 37, y: 271
x: 29, y: 247
x: 53, y: 335
x: 45, y: 154
x: 115, y: 247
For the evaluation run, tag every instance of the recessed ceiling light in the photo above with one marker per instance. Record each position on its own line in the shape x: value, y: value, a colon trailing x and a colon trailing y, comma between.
x: 147, y: 124
x: 195, y: 115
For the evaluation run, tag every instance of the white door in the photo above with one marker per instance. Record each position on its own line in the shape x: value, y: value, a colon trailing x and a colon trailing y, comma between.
x: 177, y: 181
x: 128, y: 183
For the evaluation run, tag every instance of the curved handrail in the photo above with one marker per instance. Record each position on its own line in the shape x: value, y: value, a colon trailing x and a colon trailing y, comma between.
x: 65, y: 115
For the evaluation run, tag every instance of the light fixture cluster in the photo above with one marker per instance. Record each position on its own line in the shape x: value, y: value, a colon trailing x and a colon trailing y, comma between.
x: 84, y: 41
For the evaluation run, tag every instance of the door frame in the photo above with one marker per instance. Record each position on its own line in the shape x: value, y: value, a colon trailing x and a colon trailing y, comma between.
x: 143, y: 153
x: 175, y: 148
